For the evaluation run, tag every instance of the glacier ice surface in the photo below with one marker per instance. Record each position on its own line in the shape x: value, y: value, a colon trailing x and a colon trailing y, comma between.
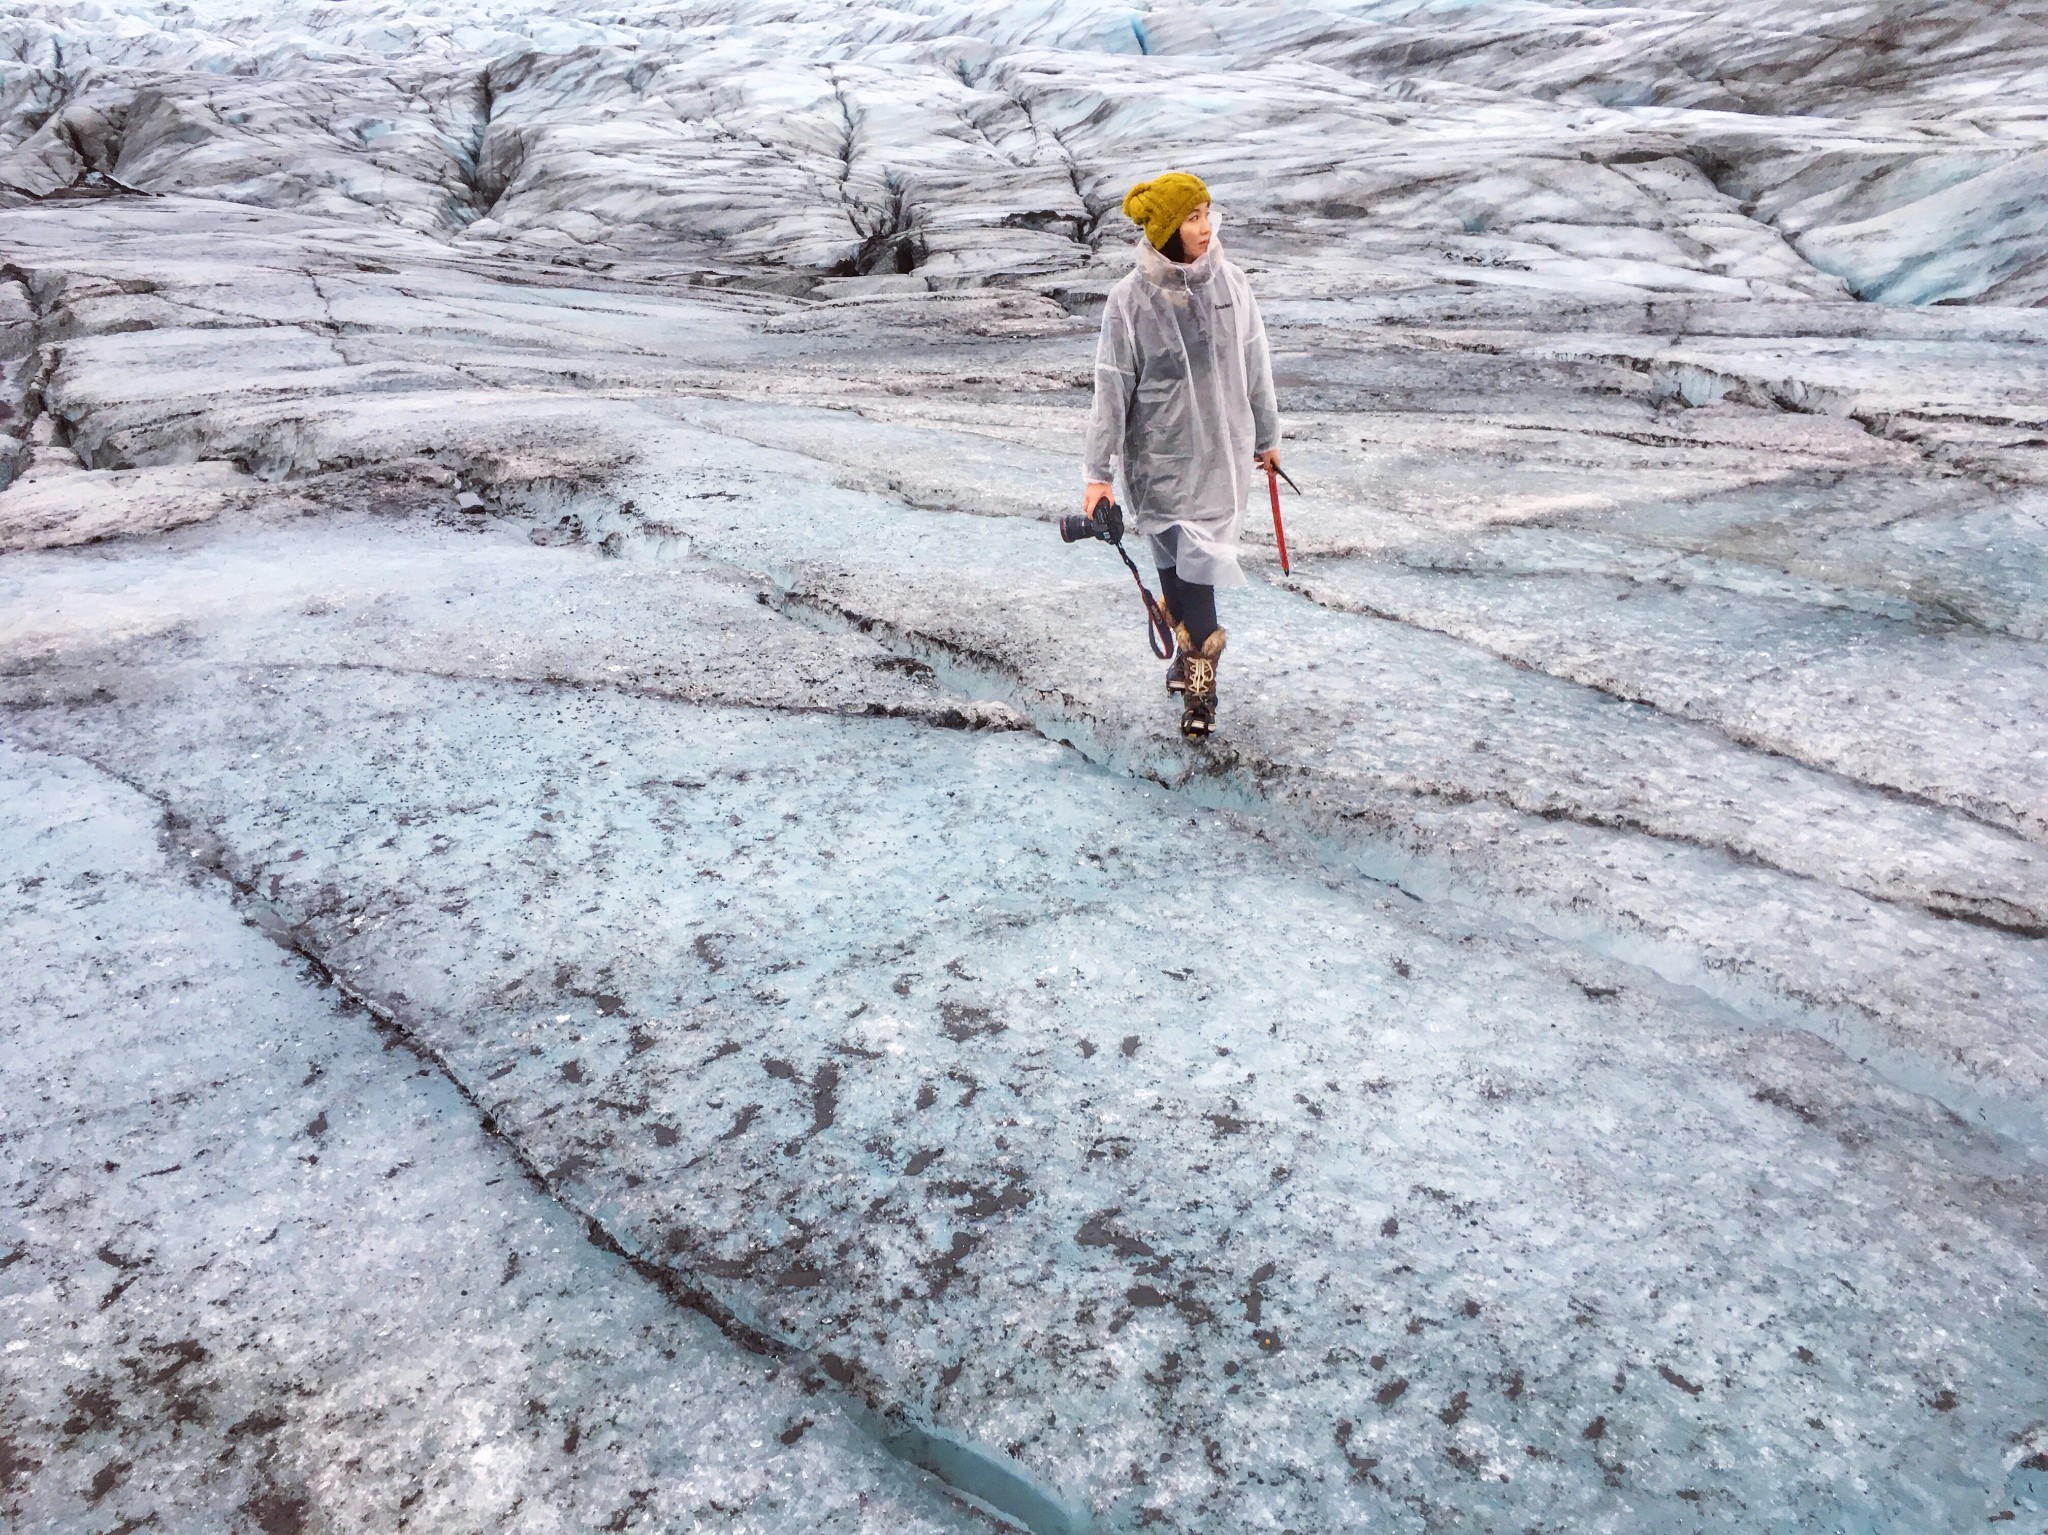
x: 547, y: 506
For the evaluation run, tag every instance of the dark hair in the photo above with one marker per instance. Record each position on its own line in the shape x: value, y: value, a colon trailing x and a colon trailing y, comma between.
x: 1173, y: 250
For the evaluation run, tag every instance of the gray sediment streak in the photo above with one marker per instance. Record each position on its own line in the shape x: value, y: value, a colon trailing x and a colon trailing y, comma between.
x: 939, y: 716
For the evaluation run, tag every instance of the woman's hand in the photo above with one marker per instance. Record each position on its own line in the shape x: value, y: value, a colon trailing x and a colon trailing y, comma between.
x: 1097, y: 491
x: 1270, y: 459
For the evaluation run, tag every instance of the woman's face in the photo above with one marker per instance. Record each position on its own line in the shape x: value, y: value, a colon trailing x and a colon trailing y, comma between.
x: 1195, y: 233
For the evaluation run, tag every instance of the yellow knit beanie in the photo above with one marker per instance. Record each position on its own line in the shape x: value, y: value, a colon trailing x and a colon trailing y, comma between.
x: 1162, y: 205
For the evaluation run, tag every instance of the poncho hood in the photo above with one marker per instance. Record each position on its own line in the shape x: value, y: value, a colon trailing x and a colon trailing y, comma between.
x: 1163, y: 272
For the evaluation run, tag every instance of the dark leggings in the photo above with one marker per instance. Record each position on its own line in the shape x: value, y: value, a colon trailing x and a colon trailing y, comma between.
x: 1193, y: 604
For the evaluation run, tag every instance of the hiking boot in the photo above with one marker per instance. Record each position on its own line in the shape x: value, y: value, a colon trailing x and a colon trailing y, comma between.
x: 1198, y: 687
x: 1177, y: 668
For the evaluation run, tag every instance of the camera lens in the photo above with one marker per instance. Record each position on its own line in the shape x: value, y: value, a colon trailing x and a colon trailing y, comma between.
x: 1074, y: 529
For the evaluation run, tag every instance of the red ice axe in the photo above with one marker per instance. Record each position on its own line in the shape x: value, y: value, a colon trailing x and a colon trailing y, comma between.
x: 1275, y: 474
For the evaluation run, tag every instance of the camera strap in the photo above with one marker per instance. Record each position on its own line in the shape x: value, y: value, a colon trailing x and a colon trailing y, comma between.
x: 1158, y: 628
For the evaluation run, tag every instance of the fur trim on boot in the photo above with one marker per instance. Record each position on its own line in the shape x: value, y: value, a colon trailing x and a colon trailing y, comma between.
x: 1198, y: 687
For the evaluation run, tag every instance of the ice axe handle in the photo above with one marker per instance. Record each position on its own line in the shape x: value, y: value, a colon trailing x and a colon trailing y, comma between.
x: 1279, y: 530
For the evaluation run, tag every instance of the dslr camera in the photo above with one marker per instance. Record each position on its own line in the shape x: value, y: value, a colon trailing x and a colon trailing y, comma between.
x: 1106, y: 522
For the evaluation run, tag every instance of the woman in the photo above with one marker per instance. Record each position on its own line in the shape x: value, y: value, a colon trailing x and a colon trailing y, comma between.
x: 1184, y: 409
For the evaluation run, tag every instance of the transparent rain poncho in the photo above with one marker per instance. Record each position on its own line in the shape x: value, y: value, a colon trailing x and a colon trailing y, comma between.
x: 1183, y: 401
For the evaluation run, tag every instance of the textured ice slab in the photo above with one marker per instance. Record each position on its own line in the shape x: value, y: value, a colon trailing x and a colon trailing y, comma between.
x: 1300, y: 1202
x: 259, y: 1269
x: 1776, y: 885
x: 467, y: 599
x: 1941, y: 712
